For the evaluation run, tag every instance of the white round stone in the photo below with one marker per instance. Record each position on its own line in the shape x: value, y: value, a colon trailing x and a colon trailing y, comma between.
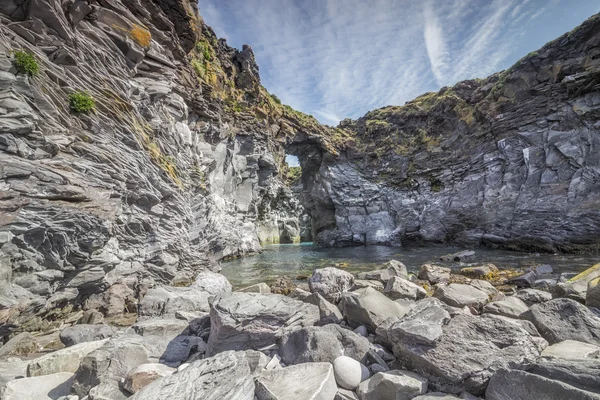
x: 349, y: 373
x: 361, y: 330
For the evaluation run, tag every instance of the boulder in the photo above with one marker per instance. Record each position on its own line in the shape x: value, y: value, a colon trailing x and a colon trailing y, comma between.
x: 167, y: 327
x: 459, y: 295
x: 486, y: 272
x: 463, y: 255
x: 46, y: 387
x: 228, y: 375
x: 349, y: 373
x: 437, y: 396
x: 81, y: 333
x: 282, y: 285
x: 329, y: 313
x: 392, y: 385
x: 521, y: 385
x: 166, y: 301
x: 422, y: 325
x: 242, y: 321
x: 533, y: 296
x: 510, y: 306
x: 572, y: 349
x: 363, y: 283
x: 565, y: 319
x: 322, y: 344
x: 525, y: 280
x: 211, y: 282
x: 576, y: 287
x: 400, y: 288
x: 469, y: 350
x: 144, y: 374
x: 369, y: 307
x: 592, y: 297
x: 343, y: 394
x: 310, y: 381
x: 486, y: 287
x: 261, y: 287
x: 12, y: 368
x: 434, y: 273
x: 330, y: 283
x: 582, y: 374
x: 180, y: 348
x: 390, y: 269
x: 521, y: 323
x: 63, y: 360
x: 23, y: 344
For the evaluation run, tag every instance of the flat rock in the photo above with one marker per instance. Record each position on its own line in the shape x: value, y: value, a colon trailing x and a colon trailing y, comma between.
x: 81, y: 333
x: 510, y: 306
x: 46, y: 387
x: 486, y: 271
x: 261, y: 287
x: 330, y: 283
x: 167, y: 327
x: 390, y: 269
x: 369, y: 307
x: 166, y: 301
x: 469, y: 351
x: 63, y: 360
x: 310, y: 381
x: 349, y: 373
x: 572, y: 349
x: 228, y: 375
x: 322, y: 344
x: 459, y: 295
x: 392, y: 385
x: 565, y: 319
x: 436, y: 396
x: 582, y: 374
x: 434, y: 273
x: 363, y: 283
x: 145, y: 374
x: 520, y: 385
x: 211, y: 282
x: 242, y: 321
x: 22, y: 344
x: 533, y: 296
x: 400, y: 288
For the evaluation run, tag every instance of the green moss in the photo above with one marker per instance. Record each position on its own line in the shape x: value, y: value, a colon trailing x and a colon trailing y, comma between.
x: 26, y: 63
x: 81, y: 102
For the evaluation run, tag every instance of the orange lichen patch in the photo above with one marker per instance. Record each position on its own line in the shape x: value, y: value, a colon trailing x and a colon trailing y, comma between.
x: 141, y: 35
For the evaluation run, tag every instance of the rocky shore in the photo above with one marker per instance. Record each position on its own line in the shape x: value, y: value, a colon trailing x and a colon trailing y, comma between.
x: 441, y: 333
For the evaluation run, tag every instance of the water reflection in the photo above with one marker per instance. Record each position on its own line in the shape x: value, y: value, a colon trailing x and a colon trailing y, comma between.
x: 300, y: 260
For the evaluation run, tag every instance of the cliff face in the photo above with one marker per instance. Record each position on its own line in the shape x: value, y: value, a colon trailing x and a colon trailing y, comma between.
x: 510, y: 161
x: 178, y: 165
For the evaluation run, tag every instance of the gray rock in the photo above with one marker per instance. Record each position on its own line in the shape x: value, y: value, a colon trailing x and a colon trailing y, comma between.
x: 399, y: 288
x: 391, y: 268
x: 349, y: 373
x: 228, y: 375
x: 166, y: 301
x: 576, y: 287
x: 242, y: 321
x: 592, y: 297
x: 392, y: 385
x: 486, y: 287
x: 63, y: 360
x: 322, y: 344
x: 582, y: 374
x: 12, y: 368
x: 343, y: 394
x: 212, y: 283
x: 436, y: 396
x: 81, y: 333
x: 46, y: 387
x: 469, y: 351
x: 363, y: 283
x: 510, y: 306
x: 521, y: 323
x: 369, y: 307
x: 168, y: 327
x: 329, y: 313
x: 144, y: 374
x: 463, y: 255
x: 180, y: 348
x: 21, y: 344
x: 434, y: 273
x: 526, y: 280
x: 459, y: 295
x: 311, y: 381
x: 565, y: 319
x: 330, y: 283
x: 511, y: 385
x: 533, y: 296
x: 257, y: 288
x: 572, y: 349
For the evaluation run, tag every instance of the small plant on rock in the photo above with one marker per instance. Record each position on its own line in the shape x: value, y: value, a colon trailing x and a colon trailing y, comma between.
x: 26, y: 63
x: 81, y: 102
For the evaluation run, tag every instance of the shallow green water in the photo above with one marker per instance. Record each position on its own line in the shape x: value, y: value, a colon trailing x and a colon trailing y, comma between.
x: 300, y: 260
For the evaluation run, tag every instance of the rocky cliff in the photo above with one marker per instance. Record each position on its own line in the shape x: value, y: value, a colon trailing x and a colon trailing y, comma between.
x: 177, y: 166
x: 508, y: 161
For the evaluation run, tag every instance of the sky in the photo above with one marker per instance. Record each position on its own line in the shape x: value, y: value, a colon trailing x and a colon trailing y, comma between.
x: 335, y: 59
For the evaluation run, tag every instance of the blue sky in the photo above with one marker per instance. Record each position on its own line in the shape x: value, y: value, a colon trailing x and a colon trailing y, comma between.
x: 342, y: 58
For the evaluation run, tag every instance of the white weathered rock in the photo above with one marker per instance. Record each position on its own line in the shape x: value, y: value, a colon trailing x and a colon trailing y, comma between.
x: 349, y: 373
x: 46, y: 387
x: 310, y: 381
x: 392, y: 385
x: 166, y: 301
x: 330, y: 283
x: 145, y: 374
x: 81, y: 333
x: 533, y: 296
x: 257, y: 288
x: 63, y: 360
x: 369, y: 307
x: 211, y: 282
x: 572, y: 349
x: 510, y: 306
x: 390, y: 269
x: 459, y: 295
x: 400, y: 288
x: 434, y: 273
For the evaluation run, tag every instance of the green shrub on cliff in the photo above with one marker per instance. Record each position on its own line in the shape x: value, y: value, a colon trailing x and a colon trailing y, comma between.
x: 26, y: 63
x: 81, y: 102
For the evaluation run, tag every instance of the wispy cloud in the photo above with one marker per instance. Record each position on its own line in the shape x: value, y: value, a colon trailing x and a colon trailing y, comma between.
x: 342, y: 58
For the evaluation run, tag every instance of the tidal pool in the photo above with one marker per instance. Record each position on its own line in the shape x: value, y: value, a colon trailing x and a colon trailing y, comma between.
x: 299, y: 260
